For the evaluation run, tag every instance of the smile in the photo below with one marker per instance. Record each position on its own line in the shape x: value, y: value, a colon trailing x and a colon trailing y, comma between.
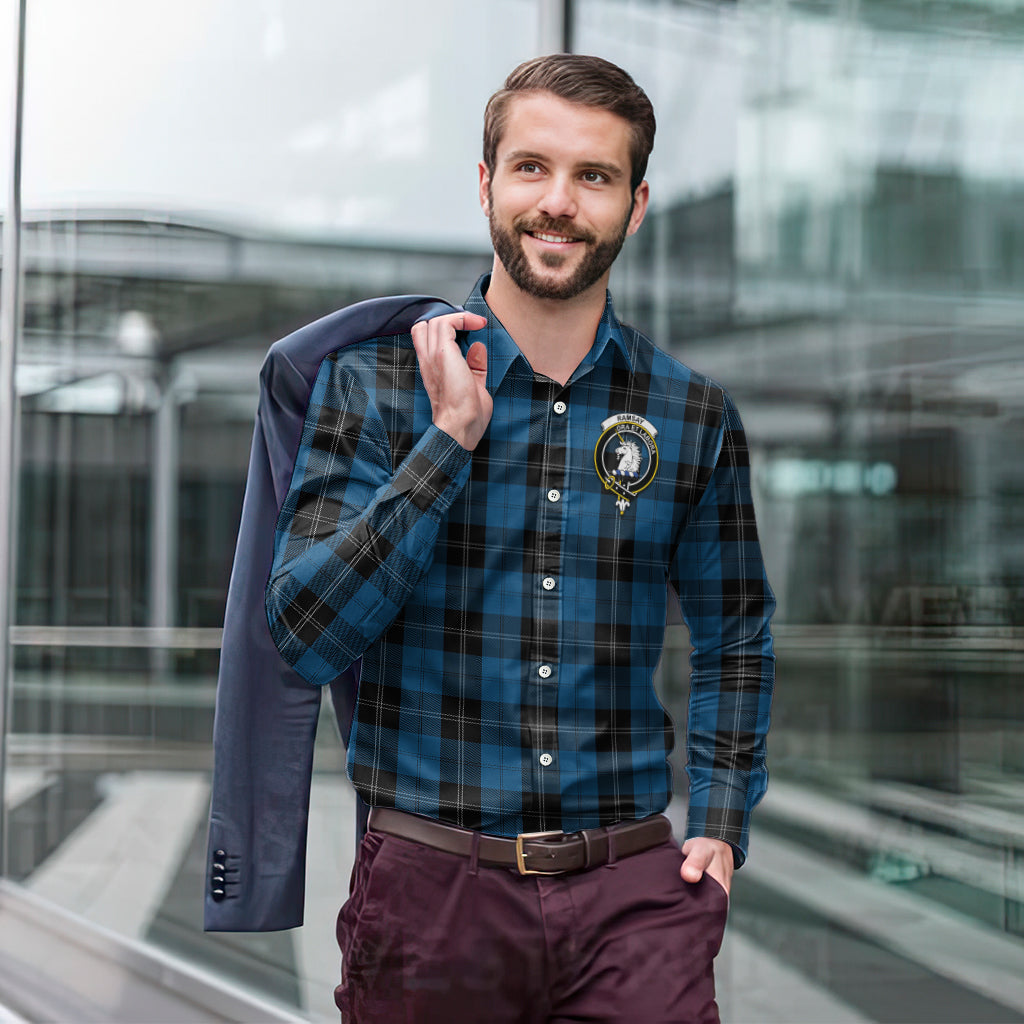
x: 560, y: 239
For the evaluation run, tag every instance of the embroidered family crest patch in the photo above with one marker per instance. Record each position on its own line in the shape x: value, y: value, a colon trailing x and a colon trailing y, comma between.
x: 626, y: 456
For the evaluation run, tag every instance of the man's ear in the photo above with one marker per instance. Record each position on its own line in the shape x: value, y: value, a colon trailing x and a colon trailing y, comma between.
x: 641, y: 197
x: 485, y: 185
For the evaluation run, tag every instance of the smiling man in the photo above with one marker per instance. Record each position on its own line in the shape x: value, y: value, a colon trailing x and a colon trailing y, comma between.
x: 492, y: 512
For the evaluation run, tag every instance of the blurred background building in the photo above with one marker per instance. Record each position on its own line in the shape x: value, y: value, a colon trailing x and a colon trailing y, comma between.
x: 836, y: 234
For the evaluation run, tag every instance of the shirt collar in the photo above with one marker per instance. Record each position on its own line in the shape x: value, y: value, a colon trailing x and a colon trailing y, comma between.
x: 502, y: 351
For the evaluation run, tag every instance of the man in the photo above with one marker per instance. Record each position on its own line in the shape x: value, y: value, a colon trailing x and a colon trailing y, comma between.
x: 493, y: 527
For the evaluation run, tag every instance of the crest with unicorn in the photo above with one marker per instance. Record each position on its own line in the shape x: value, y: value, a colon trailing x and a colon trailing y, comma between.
x: 626, y: 456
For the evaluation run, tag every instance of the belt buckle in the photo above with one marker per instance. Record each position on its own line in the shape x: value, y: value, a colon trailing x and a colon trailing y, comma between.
x: 521, y: 855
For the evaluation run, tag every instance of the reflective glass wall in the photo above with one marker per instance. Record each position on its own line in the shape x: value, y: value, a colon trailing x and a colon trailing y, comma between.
x: 199, y: 180
x: 836, y: 235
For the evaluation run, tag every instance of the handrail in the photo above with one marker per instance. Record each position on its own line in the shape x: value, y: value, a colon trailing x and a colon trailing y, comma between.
x: 55, y: 963
x: 168, y: 637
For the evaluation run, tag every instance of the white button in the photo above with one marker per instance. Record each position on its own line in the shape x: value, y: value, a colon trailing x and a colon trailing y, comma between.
x: 546, y: 759
x: 553, y: 495
x: 560, y: 407
x: 548, y: 583
x: 544, y: 671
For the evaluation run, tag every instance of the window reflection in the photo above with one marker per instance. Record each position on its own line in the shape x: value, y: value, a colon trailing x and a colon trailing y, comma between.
x: 854, y: 279
x: 199, y: 180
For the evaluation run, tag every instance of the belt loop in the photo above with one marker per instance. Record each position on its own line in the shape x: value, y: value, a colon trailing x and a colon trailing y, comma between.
x: 586, y: 848
x: 611, y: 847
x: 474, y: 853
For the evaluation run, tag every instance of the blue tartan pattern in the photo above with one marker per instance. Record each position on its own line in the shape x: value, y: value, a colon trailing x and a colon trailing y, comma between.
x: 509, y: 616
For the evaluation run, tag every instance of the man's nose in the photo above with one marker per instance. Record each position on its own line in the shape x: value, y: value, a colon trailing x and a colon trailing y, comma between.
x: 559, y: 199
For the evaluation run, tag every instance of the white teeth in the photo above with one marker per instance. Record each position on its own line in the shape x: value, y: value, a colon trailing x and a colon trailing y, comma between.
x: 551, y: 238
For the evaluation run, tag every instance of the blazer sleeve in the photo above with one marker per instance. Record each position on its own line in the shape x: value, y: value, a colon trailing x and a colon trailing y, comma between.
x: 262, y: 766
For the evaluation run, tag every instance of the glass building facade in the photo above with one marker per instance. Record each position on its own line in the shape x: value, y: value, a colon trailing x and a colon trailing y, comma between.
x: 836, y: 234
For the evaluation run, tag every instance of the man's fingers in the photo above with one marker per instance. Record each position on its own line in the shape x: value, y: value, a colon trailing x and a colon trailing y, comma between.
x: 473, y: 321
x: 445, y: 326
x: 442, y: 329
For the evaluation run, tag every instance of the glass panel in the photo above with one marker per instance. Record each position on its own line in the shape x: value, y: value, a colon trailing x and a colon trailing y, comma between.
x: 328, y: 119
x: 836, y: 235
x: 200, y: 179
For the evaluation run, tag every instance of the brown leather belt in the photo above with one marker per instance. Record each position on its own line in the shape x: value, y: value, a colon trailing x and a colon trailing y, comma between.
x: 531, y: 853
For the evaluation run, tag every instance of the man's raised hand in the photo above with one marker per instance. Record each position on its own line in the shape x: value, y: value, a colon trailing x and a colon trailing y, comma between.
x: 459, y: 400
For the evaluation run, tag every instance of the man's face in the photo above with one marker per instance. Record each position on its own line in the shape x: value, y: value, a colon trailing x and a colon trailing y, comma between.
x: 559, y: 202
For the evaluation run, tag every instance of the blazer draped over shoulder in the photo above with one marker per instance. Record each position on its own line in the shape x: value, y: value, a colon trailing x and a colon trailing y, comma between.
x: 266, y: 714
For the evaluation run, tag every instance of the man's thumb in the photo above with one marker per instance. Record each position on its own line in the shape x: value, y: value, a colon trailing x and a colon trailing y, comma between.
x: 477, y: 357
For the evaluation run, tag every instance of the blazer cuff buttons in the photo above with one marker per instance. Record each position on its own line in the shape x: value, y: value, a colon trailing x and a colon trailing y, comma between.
x: 218, y: 876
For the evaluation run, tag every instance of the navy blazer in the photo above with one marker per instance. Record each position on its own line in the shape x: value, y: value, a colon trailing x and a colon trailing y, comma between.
x: 266, y: 714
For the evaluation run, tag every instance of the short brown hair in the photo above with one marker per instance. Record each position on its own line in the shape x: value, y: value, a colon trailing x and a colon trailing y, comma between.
x: 577, y: 78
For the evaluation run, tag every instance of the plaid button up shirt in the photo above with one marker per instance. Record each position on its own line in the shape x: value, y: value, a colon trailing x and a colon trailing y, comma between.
x: 509, y: 604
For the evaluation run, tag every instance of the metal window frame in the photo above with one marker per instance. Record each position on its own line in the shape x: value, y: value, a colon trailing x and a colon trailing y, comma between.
x: 10, y: 325
x: 555, y: 19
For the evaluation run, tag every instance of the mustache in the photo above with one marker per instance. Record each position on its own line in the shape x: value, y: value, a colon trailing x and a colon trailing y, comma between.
x: 552, y: 226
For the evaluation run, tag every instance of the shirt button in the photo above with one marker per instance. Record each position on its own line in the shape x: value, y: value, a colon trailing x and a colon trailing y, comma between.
x: 559, y: 407
x: 548, y: 583
x: 553, y: 495
x: 546, y: 759
x: 544, y: 671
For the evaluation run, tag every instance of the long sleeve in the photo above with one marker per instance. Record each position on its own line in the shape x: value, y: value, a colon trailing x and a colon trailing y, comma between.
x: 727, y: 603
x: 354, y: 537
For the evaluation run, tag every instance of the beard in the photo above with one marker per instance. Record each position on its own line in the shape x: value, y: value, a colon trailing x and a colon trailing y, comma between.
x: 599, y: 255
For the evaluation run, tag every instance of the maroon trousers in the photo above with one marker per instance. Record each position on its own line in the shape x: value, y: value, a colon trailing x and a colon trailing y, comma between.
x: 432, y: 938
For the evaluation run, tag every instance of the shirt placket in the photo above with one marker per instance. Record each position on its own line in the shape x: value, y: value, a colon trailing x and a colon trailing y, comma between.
x: 542, y: 802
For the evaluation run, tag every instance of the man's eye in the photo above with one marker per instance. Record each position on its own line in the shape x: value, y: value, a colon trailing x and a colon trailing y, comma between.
x: 593, y: 177
x: 529, y: 168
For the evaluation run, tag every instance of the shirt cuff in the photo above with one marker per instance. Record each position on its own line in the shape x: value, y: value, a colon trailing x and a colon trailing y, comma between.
x: 433, y: 472
x: 718, y: 812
